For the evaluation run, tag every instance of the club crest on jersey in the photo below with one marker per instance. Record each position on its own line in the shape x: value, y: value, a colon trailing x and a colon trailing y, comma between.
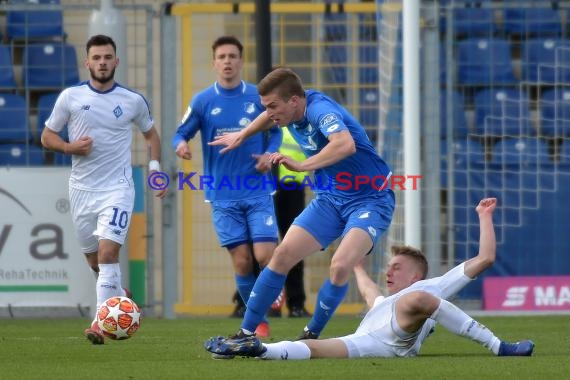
x: 117, y: 112
x: 249, y: 107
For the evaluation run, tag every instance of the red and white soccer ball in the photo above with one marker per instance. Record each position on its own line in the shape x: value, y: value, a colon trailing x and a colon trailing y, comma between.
x: 119, y: 317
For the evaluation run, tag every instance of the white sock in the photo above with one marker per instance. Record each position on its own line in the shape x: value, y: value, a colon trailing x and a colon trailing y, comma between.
x: 286, y: 350
x: 108, y: 283
x: 456, y: 321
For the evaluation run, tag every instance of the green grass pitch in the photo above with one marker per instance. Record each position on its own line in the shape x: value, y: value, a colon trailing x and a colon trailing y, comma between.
x: 172, y: 349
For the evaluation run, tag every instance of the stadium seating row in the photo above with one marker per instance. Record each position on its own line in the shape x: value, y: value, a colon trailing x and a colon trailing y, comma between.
x: 14, y: 113
x: 24, y: 24
x: 30, y: 155
x: 508, y: 155
x: 505, y: 112
x: 45, y: 66
x: 486, y: 61
x: 472, y: 20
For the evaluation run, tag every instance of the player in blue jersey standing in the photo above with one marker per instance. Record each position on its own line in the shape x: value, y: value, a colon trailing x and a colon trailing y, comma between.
x: 241, y: 189
x: 337, y: 148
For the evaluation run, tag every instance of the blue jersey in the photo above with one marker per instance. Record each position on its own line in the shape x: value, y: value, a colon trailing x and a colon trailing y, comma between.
x: 232, y: 175
x: 347, y: 177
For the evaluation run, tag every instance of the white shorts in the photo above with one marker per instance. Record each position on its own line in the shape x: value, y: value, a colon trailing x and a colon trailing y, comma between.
x: 101, y: 215
x: 380, y: 336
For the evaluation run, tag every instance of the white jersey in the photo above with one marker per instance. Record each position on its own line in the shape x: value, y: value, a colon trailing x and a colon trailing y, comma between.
x: 378, y: 321
x: 107, y: 118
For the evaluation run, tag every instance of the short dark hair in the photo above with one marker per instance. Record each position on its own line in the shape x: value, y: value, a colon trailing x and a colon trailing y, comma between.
x: 227, y: 40
x: 285, y: 80
x: 413, y: 253
x: 100, y: 40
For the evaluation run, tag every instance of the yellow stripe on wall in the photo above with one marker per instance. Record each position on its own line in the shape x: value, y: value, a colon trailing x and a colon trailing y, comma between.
x: 137, y: 237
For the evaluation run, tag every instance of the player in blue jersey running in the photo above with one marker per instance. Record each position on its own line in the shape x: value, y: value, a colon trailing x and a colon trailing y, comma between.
x: 334, y: 143
x: 241, y: 188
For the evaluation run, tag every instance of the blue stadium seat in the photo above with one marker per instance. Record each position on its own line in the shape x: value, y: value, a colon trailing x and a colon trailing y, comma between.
x: 50, y: 65
x: 555, y: 113
x: 45, y: 106
x: 368, y: 115
x: 7, y: 79
x: 520, y: 151
x: 565, y: 154
x: 458, y: 119
x: 485, y: 61
x: 546, y: 61
x: 14, y: 125
x: 474, y: 22
x: 21, y: 155
x: 466, y: 154
x: 368, y: 58
x: 335, y: 50
x: 34, y: 24
x: 532, y: 21
x: 523, y: 165
x: 61, y: 159
x: 501, y: 112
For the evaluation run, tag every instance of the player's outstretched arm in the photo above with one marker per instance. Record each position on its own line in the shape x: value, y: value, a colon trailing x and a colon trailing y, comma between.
x: 232, y: 140
x: 487, y: 240
x: 368, y: 289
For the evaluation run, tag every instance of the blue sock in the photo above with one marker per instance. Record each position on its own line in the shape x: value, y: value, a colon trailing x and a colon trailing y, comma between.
x: 328, y: 299
x: 266, y: 289
x: 244, y: 285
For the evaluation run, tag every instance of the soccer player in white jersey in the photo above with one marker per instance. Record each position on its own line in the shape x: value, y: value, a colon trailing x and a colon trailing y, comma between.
x: 397, y: 325
x: 99, y: 114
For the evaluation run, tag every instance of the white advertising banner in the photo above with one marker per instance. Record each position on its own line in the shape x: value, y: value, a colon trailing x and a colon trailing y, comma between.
x: 40, y: 260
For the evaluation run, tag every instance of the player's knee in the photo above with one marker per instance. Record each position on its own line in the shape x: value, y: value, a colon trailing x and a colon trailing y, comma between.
x: 339, y: 272
x: 281, y: 260
x: 243, y: 265
x: 419, y: 302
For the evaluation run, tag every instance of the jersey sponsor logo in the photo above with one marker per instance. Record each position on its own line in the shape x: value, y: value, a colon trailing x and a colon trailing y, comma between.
x: 249, y: 107
x: 244, y: 122
x: 216, y: 111
x: 117, y: 112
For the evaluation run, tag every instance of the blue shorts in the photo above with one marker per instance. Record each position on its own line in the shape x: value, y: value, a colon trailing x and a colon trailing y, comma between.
x: 245, y: 221
x: 328, y: 218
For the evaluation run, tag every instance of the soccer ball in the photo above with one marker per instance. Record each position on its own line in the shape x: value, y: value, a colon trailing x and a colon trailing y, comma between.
x: 119, y: 317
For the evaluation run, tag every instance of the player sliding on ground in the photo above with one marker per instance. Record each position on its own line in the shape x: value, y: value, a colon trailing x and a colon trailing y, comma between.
x: 396, y: 326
